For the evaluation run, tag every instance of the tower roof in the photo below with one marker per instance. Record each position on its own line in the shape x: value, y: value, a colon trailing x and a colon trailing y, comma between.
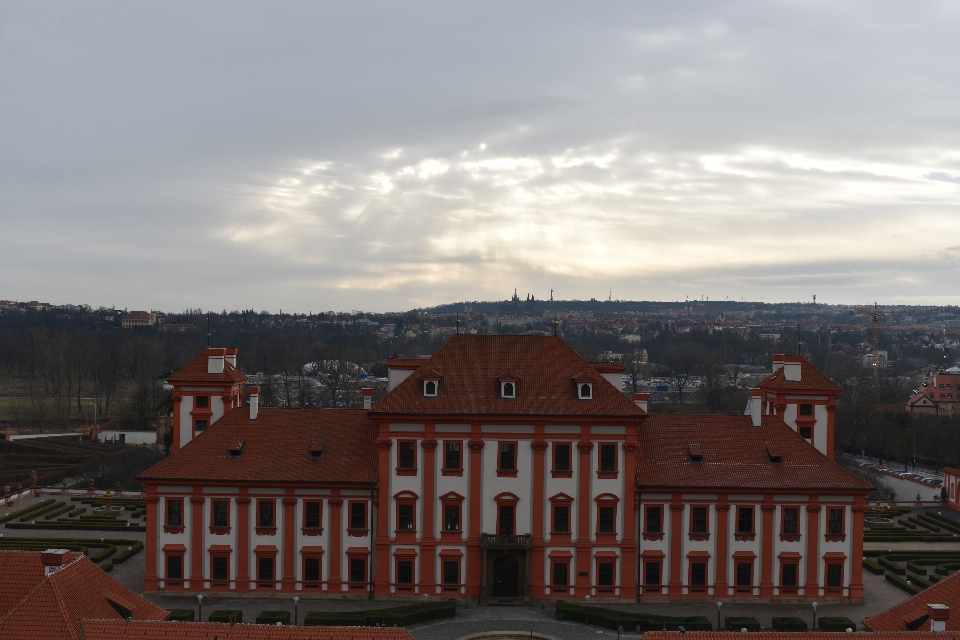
x: 195, y: 371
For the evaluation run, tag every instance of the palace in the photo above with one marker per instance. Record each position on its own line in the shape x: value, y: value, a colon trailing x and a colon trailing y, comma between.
x: 504, y: 467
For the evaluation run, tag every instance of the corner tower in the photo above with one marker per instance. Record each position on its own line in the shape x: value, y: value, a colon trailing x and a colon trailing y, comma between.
x: 802, y: 396
x: 203, y: 390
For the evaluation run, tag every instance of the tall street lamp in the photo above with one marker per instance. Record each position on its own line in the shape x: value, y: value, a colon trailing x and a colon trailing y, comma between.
x: 425, y: 596
x: 296, y: 617
x: 200, y: 607
x: 814, y: 616
x: 719, y: 604
x: 588, y: 608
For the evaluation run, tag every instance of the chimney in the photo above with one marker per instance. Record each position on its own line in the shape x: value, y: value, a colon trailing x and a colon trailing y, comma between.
x: 640, y: 399
x: 938, y: 613
x: 53, y: 559
x: 756, y: 406
x: 231, y: 357
x: 254, y: 402
x: 791, y: 368
x: 777, y: 363
x: 367, y: 398
x: 215, y: 361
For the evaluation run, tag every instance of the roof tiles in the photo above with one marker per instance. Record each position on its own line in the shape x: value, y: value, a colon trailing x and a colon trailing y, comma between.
x: 469, y: 366
x: 897, y: 617
x: 810, y: 378
x: 113, y: 630
x: 736, y: 455
x: 276, y: 447
x: 196, y: 370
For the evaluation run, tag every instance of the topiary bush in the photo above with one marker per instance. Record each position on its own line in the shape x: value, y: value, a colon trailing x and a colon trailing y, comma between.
x: 180, y: 615
x: 912, y: 589
x: 872, y: 567
x: 736, y: 623
x: 226, y: 615
x: 788, y: 623
x: 836, y: 623
x: 273, y: 617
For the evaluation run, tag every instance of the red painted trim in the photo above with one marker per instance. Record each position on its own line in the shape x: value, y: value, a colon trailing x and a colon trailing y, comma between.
x: 427, y: 572
x: 676, y: 546
x: 150, y: 579
x: 289, y: 540
x: 335, y: 580
x: 811, y: 589
x: 766, y: 553
x: 631, y: 507
x: 382, y: 569
x: 536, y: 557
x: 243, y: 541
x: 196, y: 529
x: 721, y: 589
x: 584, y: 544
x: 475, y: 445
x: 856, y: 574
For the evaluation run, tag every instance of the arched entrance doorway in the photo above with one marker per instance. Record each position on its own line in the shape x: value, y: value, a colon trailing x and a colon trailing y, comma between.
x: 506, y: 577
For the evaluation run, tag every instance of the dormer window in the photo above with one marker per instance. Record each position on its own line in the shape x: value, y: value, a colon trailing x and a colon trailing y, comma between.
x: 430, y: 388
x: 508, y: 390
x: 585, y: 390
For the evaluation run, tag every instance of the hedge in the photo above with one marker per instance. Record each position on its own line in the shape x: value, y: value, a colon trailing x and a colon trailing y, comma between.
x: 736, y: 623
x: 394, y: 616
x: 50, y: 515
x: 129, y: 552
x: 78, y: 526
x: 273, y: 617
x: 787, y: 623
x: 612, y: 618
x: 181, y: 615
x: 226, y: 615
x: 913, y: 567
x: 889, y: 565
x: 836, y: 623
x: 872, y: 567
x: 912, y: 589
x: 77, y: 511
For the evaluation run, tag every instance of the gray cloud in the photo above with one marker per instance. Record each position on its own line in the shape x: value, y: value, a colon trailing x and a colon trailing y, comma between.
x: 315, y: 156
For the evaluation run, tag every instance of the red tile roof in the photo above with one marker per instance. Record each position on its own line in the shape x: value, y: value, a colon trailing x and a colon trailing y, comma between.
x: 276, y: 447
x: 810, y: 378
x: 897, y: 617
x: 79, y: 590
x: 736, y: 455
x: 797, y: 635
x: 22, y: 571
x: 113, y: 630
x: 545, y: 365
x: 196, y: 371
x: 405, y: 363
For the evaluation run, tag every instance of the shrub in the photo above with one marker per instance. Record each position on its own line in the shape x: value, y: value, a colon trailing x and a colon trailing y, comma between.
x: 226, y: 615
x: 912, y: 589
x: 836, y: 623
x: 335, y: 619
x: 181, y: 615
x: 736, y: 623
x: 872, y: 567
x: 107, y: 567
x: 913, y: 567
x: 107, y: 551
x: 129, y: 552
x: 790, y: 623
x: 612, y: 618
x: 273, y: 617
x: 889, y: 565
x: 50, y: 515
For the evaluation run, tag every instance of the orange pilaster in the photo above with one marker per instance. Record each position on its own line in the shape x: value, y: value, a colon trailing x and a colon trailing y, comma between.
x: 721, y: 589
x: 196, y: 536
x: 584, y: 544
x: 288, y: 581
x: 537, y: 555
x: 812, y: 589
x: 243, y: 541
x: 428, y: 544
x: 766, y: 551
x: 335, y: 581
x: 473, y: 542
x: 831, y: 415
x: 628, y: 578
x: 150, y: 581
x: 381, y: 573
x: 856, y: 576
x: 676, y: 546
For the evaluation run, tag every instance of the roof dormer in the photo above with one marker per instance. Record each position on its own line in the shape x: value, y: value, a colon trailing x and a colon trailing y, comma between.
x: 507, y: 381
x: 430, y: 383
x: 584, y: 384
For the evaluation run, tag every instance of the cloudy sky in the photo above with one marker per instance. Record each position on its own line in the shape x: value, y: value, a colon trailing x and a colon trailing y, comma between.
x: 384, y: 156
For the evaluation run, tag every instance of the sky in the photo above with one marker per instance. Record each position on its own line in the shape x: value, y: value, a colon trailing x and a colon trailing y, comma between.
x: 378, y: 156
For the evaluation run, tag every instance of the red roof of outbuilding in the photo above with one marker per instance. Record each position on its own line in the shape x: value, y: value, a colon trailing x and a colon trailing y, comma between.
x: 276, y: 448
x: 469, y: 366
x: 196, y: 371
x: 51, y: 609
x: 735, y: 456
x: 113, y: 630
x: 897, y: 617
x: 810, y: 378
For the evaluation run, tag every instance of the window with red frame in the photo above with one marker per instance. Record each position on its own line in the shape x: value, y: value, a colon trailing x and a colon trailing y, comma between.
x: 788, y: 575
x: 451, y: 517
x: 407, y: 455
x: 606, y: 573
x: 451, y: 456
x: 220, y: 514
x: 834, y: 575
x: 835, y: 522
x: 651, y: 573
x: 506, y: 519
x: 561, y: 518
x: 358, y: 570
x: 561, y: 457
x: 311, y: 572
x: 405, y: 572
x: 561, y: 573
x: 174, y: 569
x: 608, y: 458
x: 698, y: 574
x: 199, y: 425
x: 451, y: 572
x: 744, y: 574
x: 358, y: 515
x: 806, y: 410
x: 508, y: 456
x: 202, y: 402
x: 791, y: 521
x: 406, y: 516
x: 654, y: 520
x: 174, y: 512
x: 607, y: 519
x: 266, y: 514
x: 745, y: 520
x: 265, y: 573
x: 806, y: 433
x: 220, y: 570
x: 311, y: 514
x: 698, y: 520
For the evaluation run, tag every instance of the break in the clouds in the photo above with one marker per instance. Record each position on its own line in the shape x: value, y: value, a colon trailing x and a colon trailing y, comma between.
x: 381, y: 156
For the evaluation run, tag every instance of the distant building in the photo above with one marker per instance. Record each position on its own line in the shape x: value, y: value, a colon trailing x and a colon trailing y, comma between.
x: 868, y: 359
x: 137, y: 319
x: 942, y: 391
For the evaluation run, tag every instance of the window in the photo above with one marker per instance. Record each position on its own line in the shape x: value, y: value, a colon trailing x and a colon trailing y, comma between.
x: 651, y: 573
x: 203, y: 402
x: 265, y: 513
x: 451, y: 517
x: 654, y: 523
x: 561, y: 457
x: 506, y: 524
x: 407, y: 455
x: 835, y: 522
x: 174, y: 512
x: 508, y: 456
x: 508, y: 390
x: 586, y: 391
x: 200, y: 425
x: 311, y: 571
x: 744, y: 519
x: 405, y: 517
x: 430, y: 388
x: 220, y: 568
x: 608, y: 458
x: 806, y: 409
x: 451, y: 572
x: 698, y: 520
x: 606, y: 520
x: 451, y: 456
x: 358, y: 569
x: 358, y: 515
x: 311, y: 514
x: 404, y: 571
x: 744, y: 574
x: 789, y: 575
x: 834, y: 575
x: 806, y: 433
x: 264, y: 569
x: 220, y: 513
x: 174, y: 567
x: 791, y: 521
x: 561, y: 519
x: 698, y: 574
x: 561, y: 573
x: 605, y: 574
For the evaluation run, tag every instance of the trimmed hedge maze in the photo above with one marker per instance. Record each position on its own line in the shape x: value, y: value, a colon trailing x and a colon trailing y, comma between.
x: 912, y: 571
x: 923, y: 527
x: 54, y: 514
x: 98, y: 551
x: 612, y: 618
x: 393, y: 617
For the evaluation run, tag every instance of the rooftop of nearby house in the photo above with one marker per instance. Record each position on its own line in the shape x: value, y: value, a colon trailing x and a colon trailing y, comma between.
x: 114, y: 630
x: 913, y: 612
x: 719, y: 452
x: 809, y: 378
x: 469, y: 369
x: 197, y: 370
x: 298, y: 445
